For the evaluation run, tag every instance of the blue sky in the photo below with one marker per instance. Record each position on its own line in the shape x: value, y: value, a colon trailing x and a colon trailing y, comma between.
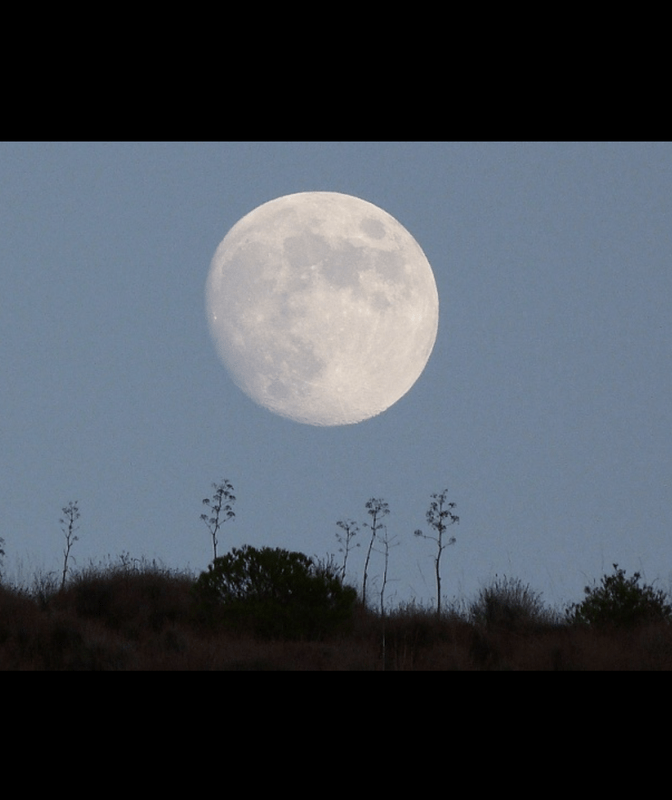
x: 544, y: 408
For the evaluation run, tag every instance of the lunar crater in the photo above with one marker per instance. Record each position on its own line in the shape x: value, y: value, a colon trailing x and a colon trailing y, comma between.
x: 373, y: 228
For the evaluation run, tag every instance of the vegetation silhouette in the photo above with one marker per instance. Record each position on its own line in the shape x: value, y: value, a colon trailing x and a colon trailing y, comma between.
x: 350, y: 530
x: 509, y: 604
x: 132, y: 614
x: 377, y: 509
x: 221, y: 510
x: 274, y: 593
x: 620, y: 602
x: 439, y: 516
x: 71, y: 514
x: 271, y: 608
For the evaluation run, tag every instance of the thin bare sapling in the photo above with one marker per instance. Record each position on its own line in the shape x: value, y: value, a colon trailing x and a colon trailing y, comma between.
x: 350, y: 530
x: 439, y: 516
x: 387, y: 543
x: 71, y: 515
x: 221, y: 509
x: 377, y: 509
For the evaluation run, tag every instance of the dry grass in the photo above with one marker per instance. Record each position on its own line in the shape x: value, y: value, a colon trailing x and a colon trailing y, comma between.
x: 142, y: 617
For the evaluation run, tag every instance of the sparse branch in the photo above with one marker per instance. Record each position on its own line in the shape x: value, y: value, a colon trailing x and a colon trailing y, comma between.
x: 439, y: 516
x: 388, y: 543
x: 71, y: 513
x: 350, y: 530
x: 377, y: 509
x: 221, y: 509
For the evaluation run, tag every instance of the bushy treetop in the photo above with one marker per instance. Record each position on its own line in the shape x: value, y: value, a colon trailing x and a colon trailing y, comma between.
x: 275, y: 592
x: 620, y: 602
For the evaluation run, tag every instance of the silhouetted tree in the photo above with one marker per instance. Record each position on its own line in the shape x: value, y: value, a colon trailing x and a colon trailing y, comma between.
x: 439, y: 516
x: 620, y: 602
x: 274, y: 593
x: 377, y: 509
x: 221, y: 508
x: 71, y: 512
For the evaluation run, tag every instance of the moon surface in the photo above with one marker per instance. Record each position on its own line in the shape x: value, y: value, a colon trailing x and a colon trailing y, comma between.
x: 322, y: 307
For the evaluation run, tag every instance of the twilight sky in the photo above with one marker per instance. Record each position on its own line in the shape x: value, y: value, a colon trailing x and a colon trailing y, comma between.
x: 544, y: 408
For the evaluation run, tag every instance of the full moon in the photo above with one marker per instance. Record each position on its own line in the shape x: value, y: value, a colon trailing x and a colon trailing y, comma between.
x: 322, y: 307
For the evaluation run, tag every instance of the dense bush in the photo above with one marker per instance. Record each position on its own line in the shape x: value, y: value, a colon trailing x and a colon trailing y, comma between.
x: 620, y: 602
x: 274, y: 593
x: 508, y: 603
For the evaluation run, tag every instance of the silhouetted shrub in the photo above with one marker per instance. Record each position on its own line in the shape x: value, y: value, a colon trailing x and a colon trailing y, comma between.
x: 274, y: 593
x: 620, y: 602
x: 509, y: 603
x: 129, y: 597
